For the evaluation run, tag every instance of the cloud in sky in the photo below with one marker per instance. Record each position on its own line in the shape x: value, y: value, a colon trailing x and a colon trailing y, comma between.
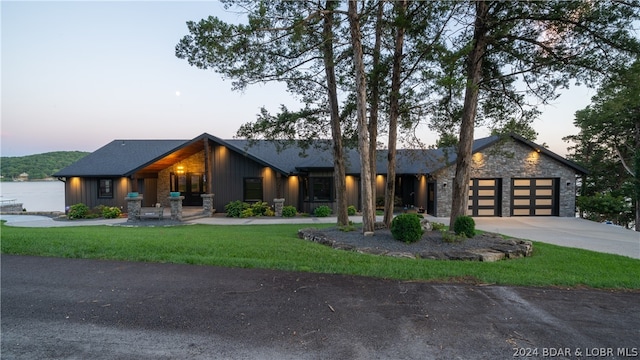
x: 76, y: 75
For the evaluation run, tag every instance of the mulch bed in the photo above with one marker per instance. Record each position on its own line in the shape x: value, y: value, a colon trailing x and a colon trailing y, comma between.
x: 484, y: 247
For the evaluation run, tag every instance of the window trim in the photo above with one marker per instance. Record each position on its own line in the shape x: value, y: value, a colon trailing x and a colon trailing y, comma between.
x: 101, y: 189
x: 308, y: 190
x: 244, y: 189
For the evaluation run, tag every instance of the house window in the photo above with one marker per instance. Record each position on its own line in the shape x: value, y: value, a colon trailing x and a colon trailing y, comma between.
x: 105, y: 188
x: 252, y: 189
x: 318, y: 189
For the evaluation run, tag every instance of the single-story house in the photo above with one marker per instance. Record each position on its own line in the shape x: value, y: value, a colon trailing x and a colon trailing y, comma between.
x: 511, y: 176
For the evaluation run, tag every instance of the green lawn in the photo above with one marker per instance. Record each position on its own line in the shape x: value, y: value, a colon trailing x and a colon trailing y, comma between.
x: 277, y: 247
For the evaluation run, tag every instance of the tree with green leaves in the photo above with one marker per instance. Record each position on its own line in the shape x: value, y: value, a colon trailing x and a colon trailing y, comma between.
x: 290, y: 42
x: 519, y: 48
x: 609, y: 145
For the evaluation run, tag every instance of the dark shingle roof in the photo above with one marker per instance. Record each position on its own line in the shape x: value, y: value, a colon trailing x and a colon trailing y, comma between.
x: 120, y: 157
x: 125, y: 157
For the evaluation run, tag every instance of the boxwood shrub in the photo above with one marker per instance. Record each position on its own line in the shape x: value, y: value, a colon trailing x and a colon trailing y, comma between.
x: 289, y: 211
x: 406, y: 227
x: 322, y: 211
x: 464, y: 225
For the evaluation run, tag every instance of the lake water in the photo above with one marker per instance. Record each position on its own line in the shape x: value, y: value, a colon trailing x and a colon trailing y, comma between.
x: 35, y: 195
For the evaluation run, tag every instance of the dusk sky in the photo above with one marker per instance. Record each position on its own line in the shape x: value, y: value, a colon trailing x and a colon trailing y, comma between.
x: 77, y: 75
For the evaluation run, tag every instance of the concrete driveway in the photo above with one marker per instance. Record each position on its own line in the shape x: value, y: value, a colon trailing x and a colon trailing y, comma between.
x: 569, y: 232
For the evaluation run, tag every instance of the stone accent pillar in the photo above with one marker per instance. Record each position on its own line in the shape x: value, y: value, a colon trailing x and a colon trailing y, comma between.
x: 278, y: 205
x: 134, y: 205
x: 207, y: 204
x: 176, y: 207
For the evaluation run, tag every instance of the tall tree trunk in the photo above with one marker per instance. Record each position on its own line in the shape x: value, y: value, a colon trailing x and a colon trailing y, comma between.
x: 460, y: 196
x: 368, y: 212
x: 394, y: 113
x: 375, y: 102
x: 637, y: 174
x: 339, y: 172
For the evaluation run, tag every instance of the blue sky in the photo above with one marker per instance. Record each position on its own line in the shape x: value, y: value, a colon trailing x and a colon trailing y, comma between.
x: 76, y: 75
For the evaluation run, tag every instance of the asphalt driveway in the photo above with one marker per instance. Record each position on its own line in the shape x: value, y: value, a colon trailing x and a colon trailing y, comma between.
x: 92, y: 309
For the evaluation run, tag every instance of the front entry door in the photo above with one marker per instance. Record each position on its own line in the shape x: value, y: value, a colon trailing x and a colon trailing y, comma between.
x: 191, y: 186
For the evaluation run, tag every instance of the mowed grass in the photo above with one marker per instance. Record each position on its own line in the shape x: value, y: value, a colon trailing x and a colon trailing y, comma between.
x: 278, y: 247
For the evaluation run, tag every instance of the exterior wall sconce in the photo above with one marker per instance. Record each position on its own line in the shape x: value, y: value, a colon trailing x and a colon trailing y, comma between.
x: 444, y: 185
x: 568, y: 183
x: 180, y: 170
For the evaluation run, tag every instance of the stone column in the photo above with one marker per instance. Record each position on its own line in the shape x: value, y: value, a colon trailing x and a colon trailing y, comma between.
x: 176, y: 207
x: 278, y: 205
x: 134, y: 204
x: 207, y: 204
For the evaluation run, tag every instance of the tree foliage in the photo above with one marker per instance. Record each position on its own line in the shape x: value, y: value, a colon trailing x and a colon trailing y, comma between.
x: 39, y: 166
x: 609, y: 145
x: 515, y: 51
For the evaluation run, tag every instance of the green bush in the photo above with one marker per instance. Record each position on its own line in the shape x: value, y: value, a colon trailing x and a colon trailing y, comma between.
x: 351, y: 210
x: 436, y: 226
x: 269, y: 212
x: 78, y: 211
x: 465, y: 225
x: 259, y: 208
x: 322, y: 211
x: 235, y: 208
x: 289, y: 211
x: 246, y: 213
x: 111, y: 212
x: 406, y: 227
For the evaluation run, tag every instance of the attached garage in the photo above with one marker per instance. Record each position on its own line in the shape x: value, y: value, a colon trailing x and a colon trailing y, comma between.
x: 534, y: 197
x: 511, y: 176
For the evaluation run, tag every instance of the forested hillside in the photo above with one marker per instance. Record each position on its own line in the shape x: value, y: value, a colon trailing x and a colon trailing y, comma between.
x: 38, y: 166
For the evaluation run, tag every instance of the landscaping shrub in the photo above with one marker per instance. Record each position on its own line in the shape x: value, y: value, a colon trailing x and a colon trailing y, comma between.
x: 259, y: 208
x: 246, y: 213
x: 436, y: 226
x: 269, y: 212
x: 322, y: 211
x: 111, y: 212
x: 235, y: 208
x: 351, y: 210
x: 406, y: 227
x: 78, y: 211
x: 465, y: 225
x: 289, y: 211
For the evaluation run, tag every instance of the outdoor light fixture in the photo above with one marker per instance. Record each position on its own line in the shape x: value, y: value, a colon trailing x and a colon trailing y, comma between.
x: 180, y: 169
x: 568, y: 183
x: 444, y: 185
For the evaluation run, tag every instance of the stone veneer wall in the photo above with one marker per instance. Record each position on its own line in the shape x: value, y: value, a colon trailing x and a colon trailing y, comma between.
x: 511, y: 160
x: 194, y: 163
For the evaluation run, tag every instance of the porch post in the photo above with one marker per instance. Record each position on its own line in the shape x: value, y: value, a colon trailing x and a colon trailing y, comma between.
x: 207, y: 204
x: 278, y: 205
x: 176, y: 207
x: 134, y: 205
x: 207, y: 168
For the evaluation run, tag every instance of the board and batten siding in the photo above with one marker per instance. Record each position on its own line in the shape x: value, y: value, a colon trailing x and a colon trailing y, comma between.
x: 85, y: 191
x: 229, y: 169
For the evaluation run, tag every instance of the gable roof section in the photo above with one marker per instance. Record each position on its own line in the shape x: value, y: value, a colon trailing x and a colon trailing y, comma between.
x: 491, y: 140
x: 120, y: 158
x: 126, y: 157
